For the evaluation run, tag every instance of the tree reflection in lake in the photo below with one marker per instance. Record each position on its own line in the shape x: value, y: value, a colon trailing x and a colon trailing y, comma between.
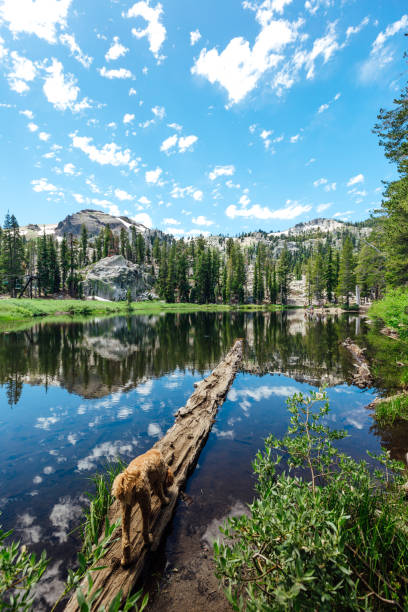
x: 94, y: 358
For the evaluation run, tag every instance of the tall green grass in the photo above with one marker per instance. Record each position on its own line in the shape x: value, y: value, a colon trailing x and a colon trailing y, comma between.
x: 393, y: 310
x: 391, y: 411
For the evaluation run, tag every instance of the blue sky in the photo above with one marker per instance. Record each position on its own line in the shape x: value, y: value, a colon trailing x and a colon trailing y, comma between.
x: 193, y: 117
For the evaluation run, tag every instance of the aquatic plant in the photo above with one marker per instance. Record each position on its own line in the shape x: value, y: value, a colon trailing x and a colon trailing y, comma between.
x: 325, y: 532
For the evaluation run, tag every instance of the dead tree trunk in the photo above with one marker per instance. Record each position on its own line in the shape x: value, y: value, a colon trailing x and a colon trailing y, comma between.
x: 180, y: 446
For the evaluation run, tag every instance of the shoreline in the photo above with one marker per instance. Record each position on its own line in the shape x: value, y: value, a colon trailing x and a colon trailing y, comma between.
x: 15, y: 312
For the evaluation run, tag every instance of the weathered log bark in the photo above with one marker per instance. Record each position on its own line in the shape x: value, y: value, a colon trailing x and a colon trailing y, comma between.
x: 180, y: 446
x: 362, y: 377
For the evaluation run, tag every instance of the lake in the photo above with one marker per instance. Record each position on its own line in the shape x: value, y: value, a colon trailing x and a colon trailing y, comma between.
x: 76, y: 395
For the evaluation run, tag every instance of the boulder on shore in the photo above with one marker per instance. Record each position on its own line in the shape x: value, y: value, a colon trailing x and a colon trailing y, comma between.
x: 111, y: 278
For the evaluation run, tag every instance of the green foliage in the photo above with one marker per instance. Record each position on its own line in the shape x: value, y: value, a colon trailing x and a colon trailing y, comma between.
x: 393, y: 310
x: 19, y: 573
x: 392, y: 410
x: 324, y: 534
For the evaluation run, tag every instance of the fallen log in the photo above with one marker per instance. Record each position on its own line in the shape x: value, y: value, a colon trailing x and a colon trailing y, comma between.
x: 362, y: 377
x: 180, y: 446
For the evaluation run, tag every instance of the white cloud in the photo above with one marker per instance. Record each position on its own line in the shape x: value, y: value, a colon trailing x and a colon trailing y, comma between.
x: 359, y: 178
x: 294, y: 139
x: 313, y: 5
x: 320, y: 181
x: 170, y: 221
x: 44, y: 136
x: 78, y: 198
x: 323, y: 207
x: 290, y: 211
x: 128, y: 118
x: 221, y: 171
x: 143, y: 200
x: 32, y: 127
x: 42, y: 184
x: 23, y: 71
x: 155, y: 30
x: 132, y: 91
x: 111, y: 208
x: 27, y: 113
x: 175, y: 126
x: 391, y: 30
x: 381, y: 54
x: 198, y: 195
x: 122, y: 195
x: 238, y: 68
x: 351, y: 30
x: 186, y: 142
x: 61, y: 90
x: 159, y: 112
x: 201, y: 220
x: 69, y: 169
x: 322, y: 108
x: 144, y: 219
x: 116, y: 50
x: 152, y: 176
x: 194, y: 37
x: 169, y: 143
x: 115, y: 73
x: 39, y: 17
x: 110, y: 154
x: 70, y: 42
x: 330, y: 187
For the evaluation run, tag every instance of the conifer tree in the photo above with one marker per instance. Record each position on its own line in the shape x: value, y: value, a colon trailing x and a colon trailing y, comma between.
x: 64, y: 261
x: 329, y: 275
x: 12, y: 255
x: 347, y: 279
x: 283, y: 275
x: 83, y: 251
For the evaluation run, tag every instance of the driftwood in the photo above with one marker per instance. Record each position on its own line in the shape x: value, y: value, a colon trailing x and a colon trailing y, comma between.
x: 180, y: 446
x: 362, y: 376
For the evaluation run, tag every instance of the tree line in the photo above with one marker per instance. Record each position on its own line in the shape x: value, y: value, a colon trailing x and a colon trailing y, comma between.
x: 193, y: 270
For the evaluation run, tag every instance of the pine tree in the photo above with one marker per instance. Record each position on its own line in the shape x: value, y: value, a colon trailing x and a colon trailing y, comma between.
x: 43, y: 264
x: 347, y: 279
x: 64, y: 261
x: 329, y: 275
x: 83, y: 251
x: 54, y: 269
x: 283, y: 275
x: 393, y: 136
x: 12, y: 255
x: 182, y: 277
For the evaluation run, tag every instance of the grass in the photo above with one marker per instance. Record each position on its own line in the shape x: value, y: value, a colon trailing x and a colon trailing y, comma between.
x: 392, y: 410
x: 393, y: 310
x: 12, y: 309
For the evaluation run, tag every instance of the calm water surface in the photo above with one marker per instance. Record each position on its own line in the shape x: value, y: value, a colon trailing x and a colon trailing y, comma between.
x: 75, y: 396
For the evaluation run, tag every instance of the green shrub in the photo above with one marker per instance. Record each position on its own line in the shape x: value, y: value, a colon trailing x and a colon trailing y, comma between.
x: 325, y: 533
x: 19, y: 573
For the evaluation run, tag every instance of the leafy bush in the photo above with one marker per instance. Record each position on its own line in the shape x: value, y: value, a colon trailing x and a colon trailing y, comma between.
x: 19, y: 573
x: 325, y: 533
